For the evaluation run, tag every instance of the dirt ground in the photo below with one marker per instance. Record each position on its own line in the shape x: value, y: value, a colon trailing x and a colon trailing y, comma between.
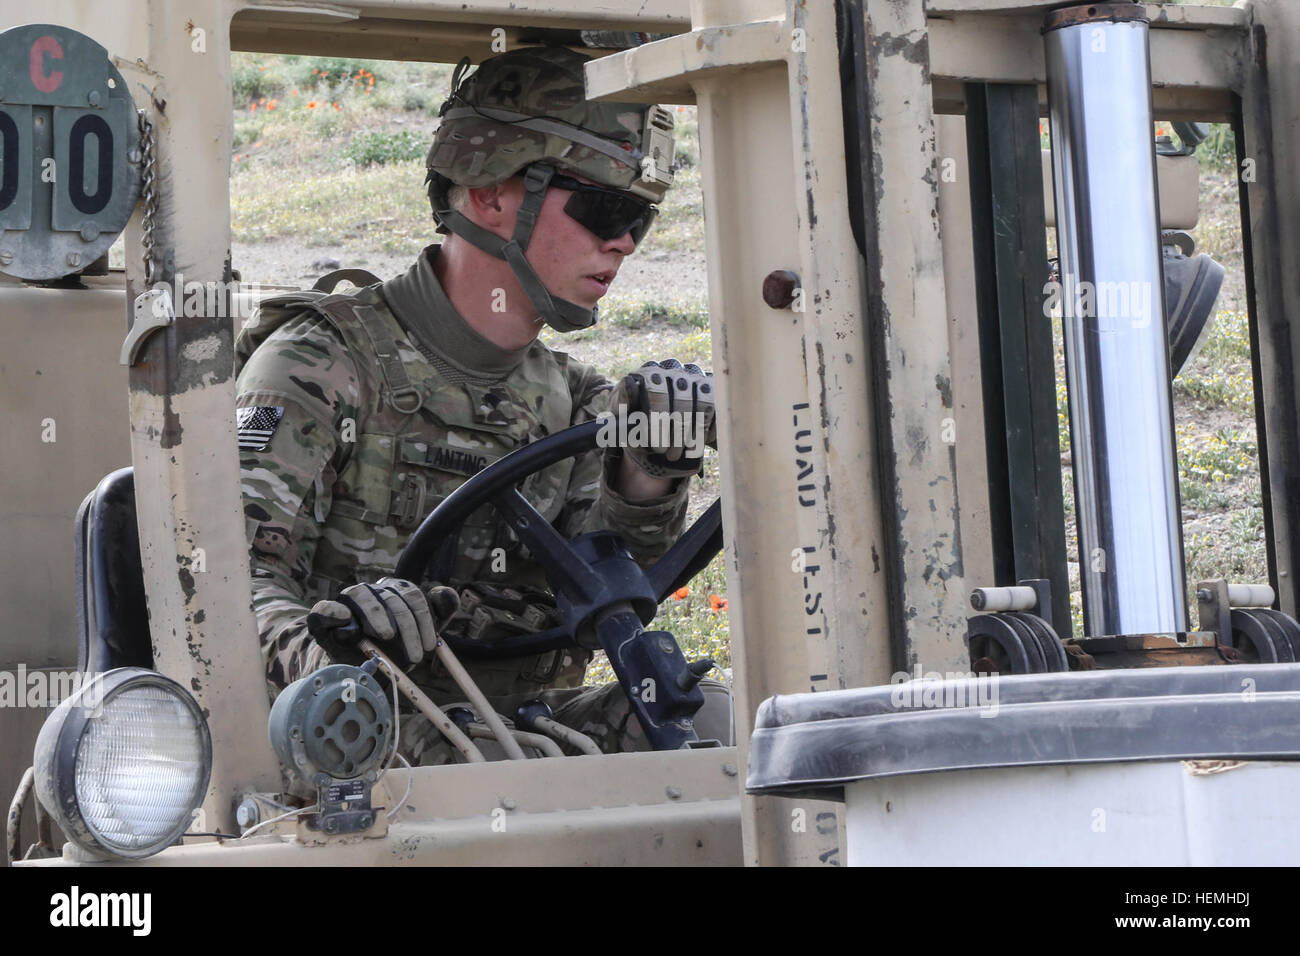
x: 287, y: 262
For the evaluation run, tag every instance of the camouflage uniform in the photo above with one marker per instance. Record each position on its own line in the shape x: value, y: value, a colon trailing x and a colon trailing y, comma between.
x: 376, y: 414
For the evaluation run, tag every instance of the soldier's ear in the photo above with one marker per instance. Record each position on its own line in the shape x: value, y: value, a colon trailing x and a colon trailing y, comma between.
x: 491, y: 206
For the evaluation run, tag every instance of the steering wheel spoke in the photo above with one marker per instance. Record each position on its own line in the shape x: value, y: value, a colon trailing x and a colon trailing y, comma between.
x: 689, y: 556
x: 568, y: 573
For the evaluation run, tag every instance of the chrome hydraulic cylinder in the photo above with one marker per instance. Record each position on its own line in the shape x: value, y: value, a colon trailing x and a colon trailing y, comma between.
x: 1112, y: 302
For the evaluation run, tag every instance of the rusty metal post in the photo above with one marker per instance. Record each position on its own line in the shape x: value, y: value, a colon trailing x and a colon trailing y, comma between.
x: 1268, y: 144
x: 183, y: 446
x: 911, y: 376
x: 841, y: 563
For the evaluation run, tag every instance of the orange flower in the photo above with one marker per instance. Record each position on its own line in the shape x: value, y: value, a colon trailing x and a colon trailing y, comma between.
x: 295, y: 92
x: 311, y: 105
x: 257, y: 144
x: 717, y: 603
x: 262, y: 68
x: 681, y: 593
x: 372, y: 81
x: 252, y: 107
x: 262, y: 101
x: 337, y: 107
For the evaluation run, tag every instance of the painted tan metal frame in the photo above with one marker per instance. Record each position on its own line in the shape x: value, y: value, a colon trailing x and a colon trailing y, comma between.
x: 765, y: 76
x: 844, y: 549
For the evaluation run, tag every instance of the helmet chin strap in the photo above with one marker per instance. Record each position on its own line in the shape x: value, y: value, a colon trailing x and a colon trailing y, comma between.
x: 559, y: 314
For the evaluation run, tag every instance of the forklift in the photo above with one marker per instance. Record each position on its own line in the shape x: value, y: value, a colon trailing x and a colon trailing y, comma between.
x: 876, y: 245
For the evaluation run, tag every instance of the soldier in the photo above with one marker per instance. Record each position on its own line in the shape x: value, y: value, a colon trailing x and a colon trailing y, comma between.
x: 359, y: 413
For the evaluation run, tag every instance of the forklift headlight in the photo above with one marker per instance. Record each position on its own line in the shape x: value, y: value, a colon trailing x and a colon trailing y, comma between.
x: 123, y: 763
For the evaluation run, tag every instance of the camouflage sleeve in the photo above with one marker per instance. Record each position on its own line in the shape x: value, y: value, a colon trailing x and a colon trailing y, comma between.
x: 301, y: 385
x: 648, y: 527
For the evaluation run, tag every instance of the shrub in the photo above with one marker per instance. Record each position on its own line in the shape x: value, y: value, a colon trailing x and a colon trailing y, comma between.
x: 246, y: 131
x: 1219, y: 148
x: 249, y: 82
x: 1222, y: 456
x: 381, y: 147
x: 413, y: 99
x: 311, y: 70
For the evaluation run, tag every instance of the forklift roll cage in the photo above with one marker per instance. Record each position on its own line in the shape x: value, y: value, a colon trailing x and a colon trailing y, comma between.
x: 849, y: 550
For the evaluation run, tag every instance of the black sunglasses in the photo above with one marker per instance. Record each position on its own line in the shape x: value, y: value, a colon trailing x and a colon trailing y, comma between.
x: 609, y: 213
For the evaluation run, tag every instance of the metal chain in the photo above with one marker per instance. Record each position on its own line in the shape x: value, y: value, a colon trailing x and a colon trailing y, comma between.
x: 149, y: 156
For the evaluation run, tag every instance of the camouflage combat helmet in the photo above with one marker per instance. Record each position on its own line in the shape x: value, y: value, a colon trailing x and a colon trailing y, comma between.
x: 527, y: 111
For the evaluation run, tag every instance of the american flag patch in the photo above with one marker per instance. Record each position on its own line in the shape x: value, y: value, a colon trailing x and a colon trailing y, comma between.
x: 256, y: 425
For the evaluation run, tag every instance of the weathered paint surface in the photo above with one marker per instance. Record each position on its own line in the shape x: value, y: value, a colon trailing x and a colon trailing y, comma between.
x: 182, y: 391
x: 1269, y: 138
x: 908, y: 317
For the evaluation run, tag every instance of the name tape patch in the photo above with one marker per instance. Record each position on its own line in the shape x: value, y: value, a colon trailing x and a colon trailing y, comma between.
x: 456, y: 460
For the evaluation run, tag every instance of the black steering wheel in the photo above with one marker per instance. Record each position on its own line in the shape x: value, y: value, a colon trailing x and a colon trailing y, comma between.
x: 605, y: 598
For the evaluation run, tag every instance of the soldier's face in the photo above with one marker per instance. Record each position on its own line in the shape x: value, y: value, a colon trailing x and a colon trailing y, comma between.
x: 573, y: 262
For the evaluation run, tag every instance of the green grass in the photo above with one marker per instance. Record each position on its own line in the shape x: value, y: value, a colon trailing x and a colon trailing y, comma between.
x: 387, y: 84
x: 1220, y: 374
x: 616, y: 355
x: 1217, y: 387
x: 386, y: 204
x: 1235, y: 551
x: 1219, y: 149
x: 1225, y: 455
x: 680, y: 224
x: 1228, y: 341
x: 636, y: 312
x: 380, y: 147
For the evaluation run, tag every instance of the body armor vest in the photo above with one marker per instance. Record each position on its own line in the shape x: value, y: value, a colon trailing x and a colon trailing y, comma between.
x: 418, y: 439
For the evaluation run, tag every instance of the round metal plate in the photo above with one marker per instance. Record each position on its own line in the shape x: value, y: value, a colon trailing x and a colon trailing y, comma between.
x: 70, y: 163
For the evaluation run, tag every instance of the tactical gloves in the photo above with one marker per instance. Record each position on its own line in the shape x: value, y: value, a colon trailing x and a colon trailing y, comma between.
x: 666, y: 417
x: 392, y: 612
